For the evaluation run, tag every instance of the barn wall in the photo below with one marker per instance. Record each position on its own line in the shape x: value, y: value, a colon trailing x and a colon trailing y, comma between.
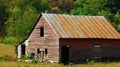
x: 81, y: 49
x: 49, y: 41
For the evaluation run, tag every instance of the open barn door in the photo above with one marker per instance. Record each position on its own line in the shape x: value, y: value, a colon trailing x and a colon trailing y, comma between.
x: 20, y: 51
x: 23, y: 49
x: 65, y: 54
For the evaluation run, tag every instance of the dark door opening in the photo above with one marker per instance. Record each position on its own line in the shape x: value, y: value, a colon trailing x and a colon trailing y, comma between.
x: 65, y: 54
x: 23, y: 49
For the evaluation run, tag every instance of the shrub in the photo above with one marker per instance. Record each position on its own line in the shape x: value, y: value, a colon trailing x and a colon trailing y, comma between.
x: 26, y: 56
x: 36, y: 60
x: 8, y: 40
x: 90, y: 61
x: 61, y: 64
x: 70, y: 64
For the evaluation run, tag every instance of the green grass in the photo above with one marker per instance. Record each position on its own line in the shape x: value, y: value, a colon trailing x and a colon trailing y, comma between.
x: 9, y: 50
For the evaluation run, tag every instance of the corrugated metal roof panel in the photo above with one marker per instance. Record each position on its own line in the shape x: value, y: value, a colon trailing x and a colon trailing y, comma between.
x: 74, y: 26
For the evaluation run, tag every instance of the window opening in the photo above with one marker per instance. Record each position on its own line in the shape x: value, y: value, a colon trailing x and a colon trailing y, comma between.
x: 41, y: 31
x: 97, y: 51
x: 38, y: 50
x: 46, y: 51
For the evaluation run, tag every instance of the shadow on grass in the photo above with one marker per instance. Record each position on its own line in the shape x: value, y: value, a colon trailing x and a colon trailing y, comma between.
x: 92, y: 61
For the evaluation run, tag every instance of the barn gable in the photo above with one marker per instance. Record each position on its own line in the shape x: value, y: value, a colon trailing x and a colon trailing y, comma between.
x: 43, y: 43
x: 74, y: 26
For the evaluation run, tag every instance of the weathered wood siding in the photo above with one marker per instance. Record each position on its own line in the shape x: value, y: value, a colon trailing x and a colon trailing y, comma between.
x: 81, y: 49
x: 49, y: 41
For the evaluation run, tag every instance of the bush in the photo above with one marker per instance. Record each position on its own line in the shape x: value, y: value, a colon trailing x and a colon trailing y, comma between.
x: 36, y: 60
x: 90, y: 61
x: 8, y: 40
x: 11, y: 40
x: 26, y: 56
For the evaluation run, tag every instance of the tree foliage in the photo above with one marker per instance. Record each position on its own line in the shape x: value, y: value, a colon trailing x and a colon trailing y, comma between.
x: 23, y: 15
x: 88, y: 7
x: 17, y: 17
x: 60, y: 6
x: 3, y: 18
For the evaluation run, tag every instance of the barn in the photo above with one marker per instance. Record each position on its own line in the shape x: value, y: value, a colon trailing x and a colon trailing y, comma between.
x: 63, y: 38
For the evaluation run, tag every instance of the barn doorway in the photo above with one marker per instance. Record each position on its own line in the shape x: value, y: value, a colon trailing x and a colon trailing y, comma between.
x: 65, y: 51
x: 23, y: 49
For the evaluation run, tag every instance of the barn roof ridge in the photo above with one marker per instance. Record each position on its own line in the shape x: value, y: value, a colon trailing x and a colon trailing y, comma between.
x: 72, y: 14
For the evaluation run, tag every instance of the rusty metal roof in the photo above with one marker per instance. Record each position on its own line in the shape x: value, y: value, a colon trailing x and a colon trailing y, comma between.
x: 75, y: 26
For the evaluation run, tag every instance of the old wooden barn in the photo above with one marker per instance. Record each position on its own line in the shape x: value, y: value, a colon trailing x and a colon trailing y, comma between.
x: 60, y: 37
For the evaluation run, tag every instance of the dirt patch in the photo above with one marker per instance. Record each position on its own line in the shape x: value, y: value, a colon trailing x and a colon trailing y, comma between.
x: 12, y: 59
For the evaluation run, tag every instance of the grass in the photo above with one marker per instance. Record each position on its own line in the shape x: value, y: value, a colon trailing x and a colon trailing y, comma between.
x: 9, y: 50
x: 23, y: 64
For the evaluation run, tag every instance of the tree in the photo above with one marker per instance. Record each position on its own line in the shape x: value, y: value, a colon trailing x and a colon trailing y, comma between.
x: 88, y: 7
x: 3, y: 18
x: 40, y: 6
x: 117, y: 20
x: 22, y: 18
x: 20, y: 22
x: 60, y: 6
x: 113, y: 5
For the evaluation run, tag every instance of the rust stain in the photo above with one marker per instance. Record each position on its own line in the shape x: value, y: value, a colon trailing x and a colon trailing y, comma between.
x: 75, y: 26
